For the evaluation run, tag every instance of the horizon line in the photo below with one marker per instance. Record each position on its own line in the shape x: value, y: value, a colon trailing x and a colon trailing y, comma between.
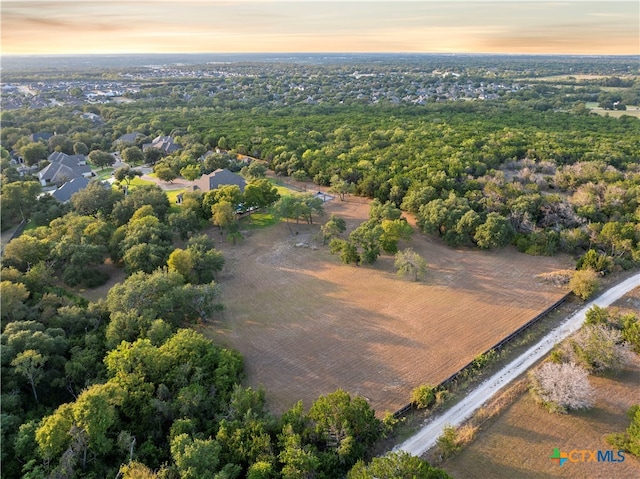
x: 465, y: 53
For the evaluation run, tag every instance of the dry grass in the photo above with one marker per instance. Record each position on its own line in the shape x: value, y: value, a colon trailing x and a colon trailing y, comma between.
x: 630, y: 111
x: 519, y: 442
x: 517, y: 436
x: 308, y: 325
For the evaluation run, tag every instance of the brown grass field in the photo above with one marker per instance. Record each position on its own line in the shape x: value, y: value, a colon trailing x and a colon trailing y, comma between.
x: 519, y: 441
x: 307, y: 325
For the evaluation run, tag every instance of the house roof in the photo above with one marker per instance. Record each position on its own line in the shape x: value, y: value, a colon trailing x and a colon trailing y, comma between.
x: 74, y: 159
x: 130, y: 137
x: 41, y: 135
x: 220, y: 177
x: 63, y: 168
x: 164, y: 143
x: 66, y: 191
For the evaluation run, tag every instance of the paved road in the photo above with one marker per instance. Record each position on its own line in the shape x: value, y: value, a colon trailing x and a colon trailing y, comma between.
x: 424, y: 439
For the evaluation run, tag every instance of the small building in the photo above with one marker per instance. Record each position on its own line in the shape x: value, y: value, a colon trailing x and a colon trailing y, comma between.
x: 220, y: 177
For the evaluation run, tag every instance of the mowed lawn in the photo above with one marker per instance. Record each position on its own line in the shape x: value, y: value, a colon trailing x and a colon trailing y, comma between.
x: 518, y: 442
x: 307, y: 325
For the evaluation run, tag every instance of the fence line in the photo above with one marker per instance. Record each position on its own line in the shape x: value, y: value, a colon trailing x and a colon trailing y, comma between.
x: 496, y: 347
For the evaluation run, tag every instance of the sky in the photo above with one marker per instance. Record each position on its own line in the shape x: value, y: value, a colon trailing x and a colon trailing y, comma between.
x: 580, y: 27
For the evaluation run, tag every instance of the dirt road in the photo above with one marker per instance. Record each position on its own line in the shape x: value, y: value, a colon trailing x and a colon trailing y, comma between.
x: 426, y: 438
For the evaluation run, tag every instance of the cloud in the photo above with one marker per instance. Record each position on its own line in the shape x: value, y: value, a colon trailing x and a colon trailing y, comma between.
x: 82, y: 26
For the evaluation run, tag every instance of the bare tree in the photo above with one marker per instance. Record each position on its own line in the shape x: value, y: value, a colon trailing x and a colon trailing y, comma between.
x: 562, y: 387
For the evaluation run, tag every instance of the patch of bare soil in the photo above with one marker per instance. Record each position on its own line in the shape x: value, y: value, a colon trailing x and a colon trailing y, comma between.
x: 307, y: 324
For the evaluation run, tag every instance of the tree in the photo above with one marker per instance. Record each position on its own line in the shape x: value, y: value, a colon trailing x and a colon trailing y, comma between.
x: 29, y: 363
x: 80, y: 148
x: 259, y: 194
x: 12, y: 298
x: 254, y: 170
x: 598, y: 348
x: 26, y: 251
x: 332, y: 228
x: 195, y: 458
x: 344, y: 425
x: 562, y: 387
x: 61, y: 143
x: 299, y: 461
x: 348, y: 251
x: 392, y: 232
x: 164, y: 294
x: 289, y: 207
x: 184, y: 222
x: 18, y: 199
x: 223, y: 215
x: 32, y: 153
x: 182, y: 262
x: 495, y: 232
x: 153, y: 155
x: 378, y: 211
x: 396, y: 465
x: 132, y: 155
x: 599, y: 263
x: 630, y: 439
x: 207, y: 259
x: 310, y: 205
x: 101, y: 159
x: 146, y: 244
x: 408, y: 263
x: 95, y: 199
x: 423, y: 396
x: 367, y: 238
x: 190, y: 172
x: 340, y: 187
x: 126, y: 174
x: 164, y: 172
x: 584, y: 283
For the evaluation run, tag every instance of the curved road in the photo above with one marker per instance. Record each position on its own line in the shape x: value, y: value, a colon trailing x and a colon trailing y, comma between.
x: 424, y: 439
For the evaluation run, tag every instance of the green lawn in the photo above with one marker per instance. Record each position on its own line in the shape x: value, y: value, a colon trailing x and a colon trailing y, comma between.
x: 103, y: 174
x: 259, y: 220
x: 137, y: 181
x: 173, y: 195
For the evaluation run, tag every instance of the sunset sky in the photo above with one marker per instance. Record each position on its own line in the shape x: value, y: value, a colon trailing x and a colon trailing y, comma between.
x: 186, y: 26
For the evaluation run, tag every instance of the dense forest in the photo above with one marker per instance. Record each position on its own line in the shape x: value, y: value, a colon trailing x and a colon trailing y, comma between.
x: 88, y: 387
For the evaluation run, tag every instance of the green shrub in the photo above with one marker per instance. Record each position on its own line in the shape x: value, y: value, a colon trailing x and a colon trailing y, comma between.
x: 423, y: 396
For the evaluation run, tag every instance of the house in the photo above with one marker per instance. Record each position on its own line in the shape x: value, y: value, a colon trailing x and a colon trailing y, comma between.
x: 66, y: 191
x: 40, y: 136
x: 163, y: 143
x: 59, y: 156
x: 63, y: 168
x: 129, y: 137
x: 220, y: 177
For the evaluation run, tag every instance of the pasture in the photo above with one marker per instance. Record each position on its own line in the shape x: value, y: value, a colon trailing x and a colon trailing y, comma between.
x: 307, y: 324
x: 519, y: 441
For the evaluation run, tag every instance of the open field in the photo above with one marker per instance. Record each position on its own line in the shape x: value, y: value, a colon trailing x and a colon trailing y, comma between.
x: 519, y: 441
x: 308, y: 325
